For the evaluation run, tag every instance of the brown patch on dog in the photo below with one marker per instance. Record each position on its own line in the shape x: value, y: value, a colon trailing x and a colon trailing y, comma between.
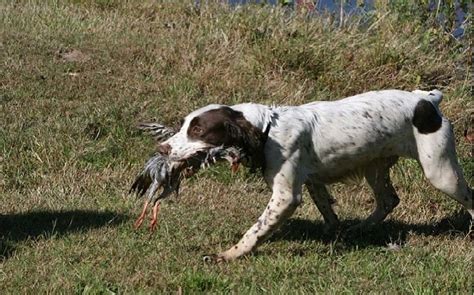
x: 227, y: 127
x: 426, y: 118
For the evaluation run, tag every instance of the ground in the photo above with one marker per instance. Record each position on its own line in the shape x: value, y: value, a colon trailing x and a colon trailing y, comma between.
x: 77, y: 76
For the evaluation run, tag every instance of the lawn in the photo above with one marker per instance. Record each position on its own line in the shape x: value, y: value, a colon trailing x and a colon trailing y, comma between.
x: 77, y: 76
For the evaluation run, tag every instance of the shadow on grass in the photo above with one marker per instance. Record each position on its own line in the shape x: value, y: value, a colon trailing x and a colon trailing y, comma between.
x: 390, y: 231
x: 15, y: 228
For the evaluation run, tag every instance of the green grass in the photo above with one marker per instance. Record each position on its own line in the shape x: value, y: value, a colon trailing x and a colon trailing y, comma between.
x: 76, y: 77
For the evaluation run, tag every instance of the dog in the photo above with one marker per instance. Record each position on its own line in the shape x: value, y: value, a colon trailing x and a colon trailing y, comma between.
x: 320, y: 143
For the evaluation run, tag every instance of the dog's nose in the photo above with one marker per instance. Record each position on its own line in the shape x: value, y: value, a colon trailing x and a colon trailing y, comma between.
x: 164, y: 149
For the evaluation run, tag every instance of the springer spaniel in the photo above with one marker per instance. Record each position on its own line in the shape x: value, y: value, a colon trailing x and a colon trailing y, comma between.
x: 324, y: 142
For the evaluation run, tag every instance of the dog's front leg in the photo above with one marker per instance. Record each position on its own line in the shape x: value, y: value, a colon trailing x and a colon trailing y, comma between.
x: 285, y: 199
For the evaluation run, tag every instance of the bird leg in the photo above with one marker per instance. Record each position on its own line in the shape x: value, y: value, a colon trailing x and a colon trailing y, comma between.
x: 140, y: 218
x: 156, y: 208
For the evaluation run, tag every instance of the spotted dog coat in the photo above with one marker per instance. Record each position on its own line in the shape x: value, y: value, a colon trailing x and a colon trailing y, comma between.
x: 323, y: 142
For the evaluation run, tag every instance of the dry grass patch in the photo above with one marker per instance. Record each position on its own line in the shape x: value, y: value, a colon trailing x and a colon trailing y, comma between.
x: 75, y: 78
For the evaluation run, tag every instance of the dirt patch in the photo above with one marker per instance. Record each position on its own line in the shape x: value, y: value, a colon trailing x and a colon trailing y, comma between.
x: 72, y: 55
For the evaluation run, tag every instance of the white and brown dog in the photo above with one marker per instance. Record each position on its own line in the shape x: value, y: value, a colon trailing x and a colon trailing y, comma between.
x: 323, y: 142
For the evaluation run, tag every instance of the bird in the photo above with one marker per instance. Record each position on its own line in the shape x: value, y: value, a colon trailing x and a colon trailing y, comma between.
x: 160, y: 172
x: 155, y: 174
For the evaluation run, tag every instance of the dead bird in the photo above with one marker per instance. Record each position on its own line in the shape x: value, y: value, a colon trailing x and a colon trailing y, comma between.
x: 161, y: 172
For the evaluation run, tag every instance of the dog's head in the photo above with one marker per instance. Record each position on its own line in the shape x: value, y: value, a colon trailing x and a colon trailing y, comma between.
x: 213, y: 126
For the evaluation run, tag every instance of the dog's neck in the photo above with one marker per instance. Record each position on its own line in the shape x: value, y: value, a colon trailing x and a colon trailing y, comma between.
x: 258, y: 115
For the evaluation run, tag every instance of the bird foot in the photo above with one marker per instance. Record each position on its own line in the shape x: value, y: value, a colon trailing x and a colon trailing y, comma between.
x: 154, y: 218
x: 140, y: 218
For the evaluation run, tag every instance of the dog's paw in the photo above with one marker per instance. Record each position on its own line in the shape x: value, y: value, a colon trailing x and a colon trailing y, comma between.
x: 213, y: 258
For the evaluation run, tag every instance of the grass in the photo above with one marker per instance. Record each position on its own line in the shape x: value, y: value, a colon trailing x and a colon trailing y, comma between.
x: 75, y: 78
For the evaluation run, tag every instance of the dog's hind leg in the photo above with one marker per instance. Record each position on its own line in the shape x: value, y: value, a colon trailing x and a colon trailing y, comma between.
x: 437, y: 156
x: 323, y: 200
x: 377, y: 175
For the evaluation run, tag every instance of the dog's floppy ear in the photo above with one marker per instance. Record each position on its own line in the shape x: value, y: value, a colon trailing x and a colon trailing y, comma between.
x: 235, y: 134
x: 243, y: 134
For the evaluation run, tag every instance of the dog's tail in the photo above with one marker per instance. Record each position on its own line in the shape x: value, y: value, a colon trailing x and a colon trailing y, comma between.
x: 434, y: 96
